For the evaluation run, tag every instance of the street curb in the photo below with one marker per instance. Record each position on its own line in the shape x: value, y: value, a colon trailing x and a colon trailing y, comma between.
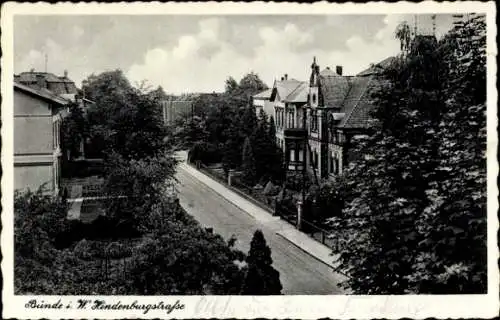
x: 271, y: 217
x: 304, y: 250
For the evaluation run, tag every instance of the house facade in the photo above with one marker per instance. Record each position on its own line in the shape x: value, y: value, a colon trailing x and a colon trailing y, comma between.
x: 338, y: 109
x: 37, y: 140
x: 262, y: 102
x: 288, y: 98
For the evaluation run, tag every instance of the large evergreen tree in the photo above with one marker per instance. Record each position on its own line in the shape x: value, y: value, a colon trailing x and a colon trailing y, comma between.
x: 261, y: 278
x: 248, y: 162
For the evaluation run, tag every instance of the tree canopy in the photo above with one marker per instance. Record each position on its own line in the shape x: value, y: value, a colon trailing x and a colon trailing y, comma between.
x: 124, y: 119
x: 415, y: 202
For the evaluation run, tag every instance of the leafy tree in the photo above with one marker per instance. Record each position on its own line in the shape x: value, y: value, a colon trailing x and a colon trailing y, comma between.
x: 452, y: 257
x: 261, y: 278
x: 134, y: 186
x: 403, y: 34
x: 125, y: 119
x: 406, y: 216
x: 73, y: 131
x: 250, y: 85
x: 186, y: 260
x: 205, y: 103
x: 248, y: 162
x: 231, y: 85
x: 190, y: 130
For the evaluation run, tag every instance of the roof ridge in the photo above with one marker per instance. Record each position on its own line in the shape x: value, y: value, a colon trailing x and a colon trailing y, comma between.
x: 296, y: 88
x: 47, y: 94
x: 357, y: 103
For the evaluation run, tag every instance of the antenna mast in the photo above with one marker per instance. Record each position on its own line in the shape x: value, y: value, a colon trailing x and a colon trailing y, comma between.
x: 46, y: 61
x: 433, y: 17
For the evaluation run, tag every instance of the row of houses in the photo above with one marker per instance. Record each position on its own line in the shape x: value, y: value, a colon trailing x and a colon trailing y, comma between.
x: 41, y: 102
x: 327, y: 111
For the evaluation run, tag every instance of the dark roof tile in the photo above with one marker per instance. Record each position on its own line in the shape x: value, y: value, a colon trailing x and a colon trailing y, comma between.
x: 334, y: 89
x: 58, y: 85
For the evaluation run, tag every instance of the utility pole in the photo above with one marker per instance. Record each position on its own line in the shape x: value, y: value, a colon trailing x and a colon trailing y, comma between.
x: 415, y: 27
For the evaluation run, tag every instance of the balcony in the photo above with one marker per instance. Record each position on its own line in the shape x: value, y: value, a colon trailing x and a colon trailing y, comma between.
x: 295, y: 134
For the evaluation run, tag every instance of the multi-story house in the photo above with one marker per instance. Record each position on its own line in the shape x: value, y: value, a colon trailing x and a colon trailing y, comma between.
x: 37, y: 151
x: 288, y: 97
x: 338, y: 109
x: 330, y: 110
x: 262, y: 102
x: 41, y: 101
x: 58, y: 85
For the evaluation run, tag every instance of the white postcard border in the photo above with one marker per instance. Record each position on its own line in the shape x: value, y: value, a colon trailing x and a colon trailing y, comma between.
x: 303, y: 307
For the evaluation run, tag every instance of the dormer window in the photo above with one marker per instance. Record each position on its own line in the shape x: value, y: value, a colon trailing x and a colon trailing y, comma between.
x: 314, y: 98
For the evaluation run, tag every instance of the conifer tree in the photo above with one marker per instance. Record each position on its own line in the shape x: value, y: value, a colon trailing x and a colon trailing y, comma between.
x: 261, y: 278
x: 272, y: 128
x: 248, y: 162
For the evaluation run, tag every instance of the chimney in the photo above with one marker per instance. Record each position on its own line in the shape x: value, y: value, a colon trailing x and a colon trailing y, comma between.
x: 339, y: 70
x: 286, y: 76
x: 32, y: 70
x: 327, y: 68
x: 40, y: 81
x: 66, y: 73
x: 282, y: 78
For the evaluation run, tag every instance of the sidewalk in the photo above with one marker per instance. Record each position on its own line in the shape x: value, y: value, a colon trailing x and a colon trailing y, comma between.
x: 76, y: 205
x: 280, y: 227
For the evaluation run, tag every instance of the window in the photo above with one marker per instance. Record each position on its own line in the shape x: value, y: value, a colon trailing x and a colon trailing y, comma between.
x: 332, y: 166
x: 290, y: 119
x: 337, y: 167
x: 315, y: 159
x: 314, y: 121
x: 55, y: 134
x: 314, y: 98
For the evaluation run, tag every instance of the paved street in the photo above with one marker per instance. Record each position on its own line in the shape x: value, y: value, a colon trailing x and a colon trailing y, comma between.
x: 299, y: 272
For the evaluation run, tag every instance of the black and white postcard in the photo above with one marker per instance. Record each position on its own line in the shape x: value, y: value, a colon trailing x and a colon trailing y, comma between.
x: 249, y: 160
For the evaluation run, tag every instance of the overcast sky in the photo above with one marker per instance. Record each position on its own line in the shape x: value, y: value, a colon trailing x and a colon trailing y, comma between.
x: 197, y: 53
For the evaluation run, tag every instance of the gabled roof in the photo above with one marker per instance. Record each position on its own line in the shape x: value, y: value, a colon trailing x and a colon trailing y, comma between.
x: 327, y: 72
x: 352, y: 94
x: 58, y: 85
x: 357, y: 104
x: 334, y: 88
x: 41, y: 93
x: 377, y: 68
x: 284, y: 87
x: 264, y: 95
x: 299, y: 95
x: 290, y: 90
